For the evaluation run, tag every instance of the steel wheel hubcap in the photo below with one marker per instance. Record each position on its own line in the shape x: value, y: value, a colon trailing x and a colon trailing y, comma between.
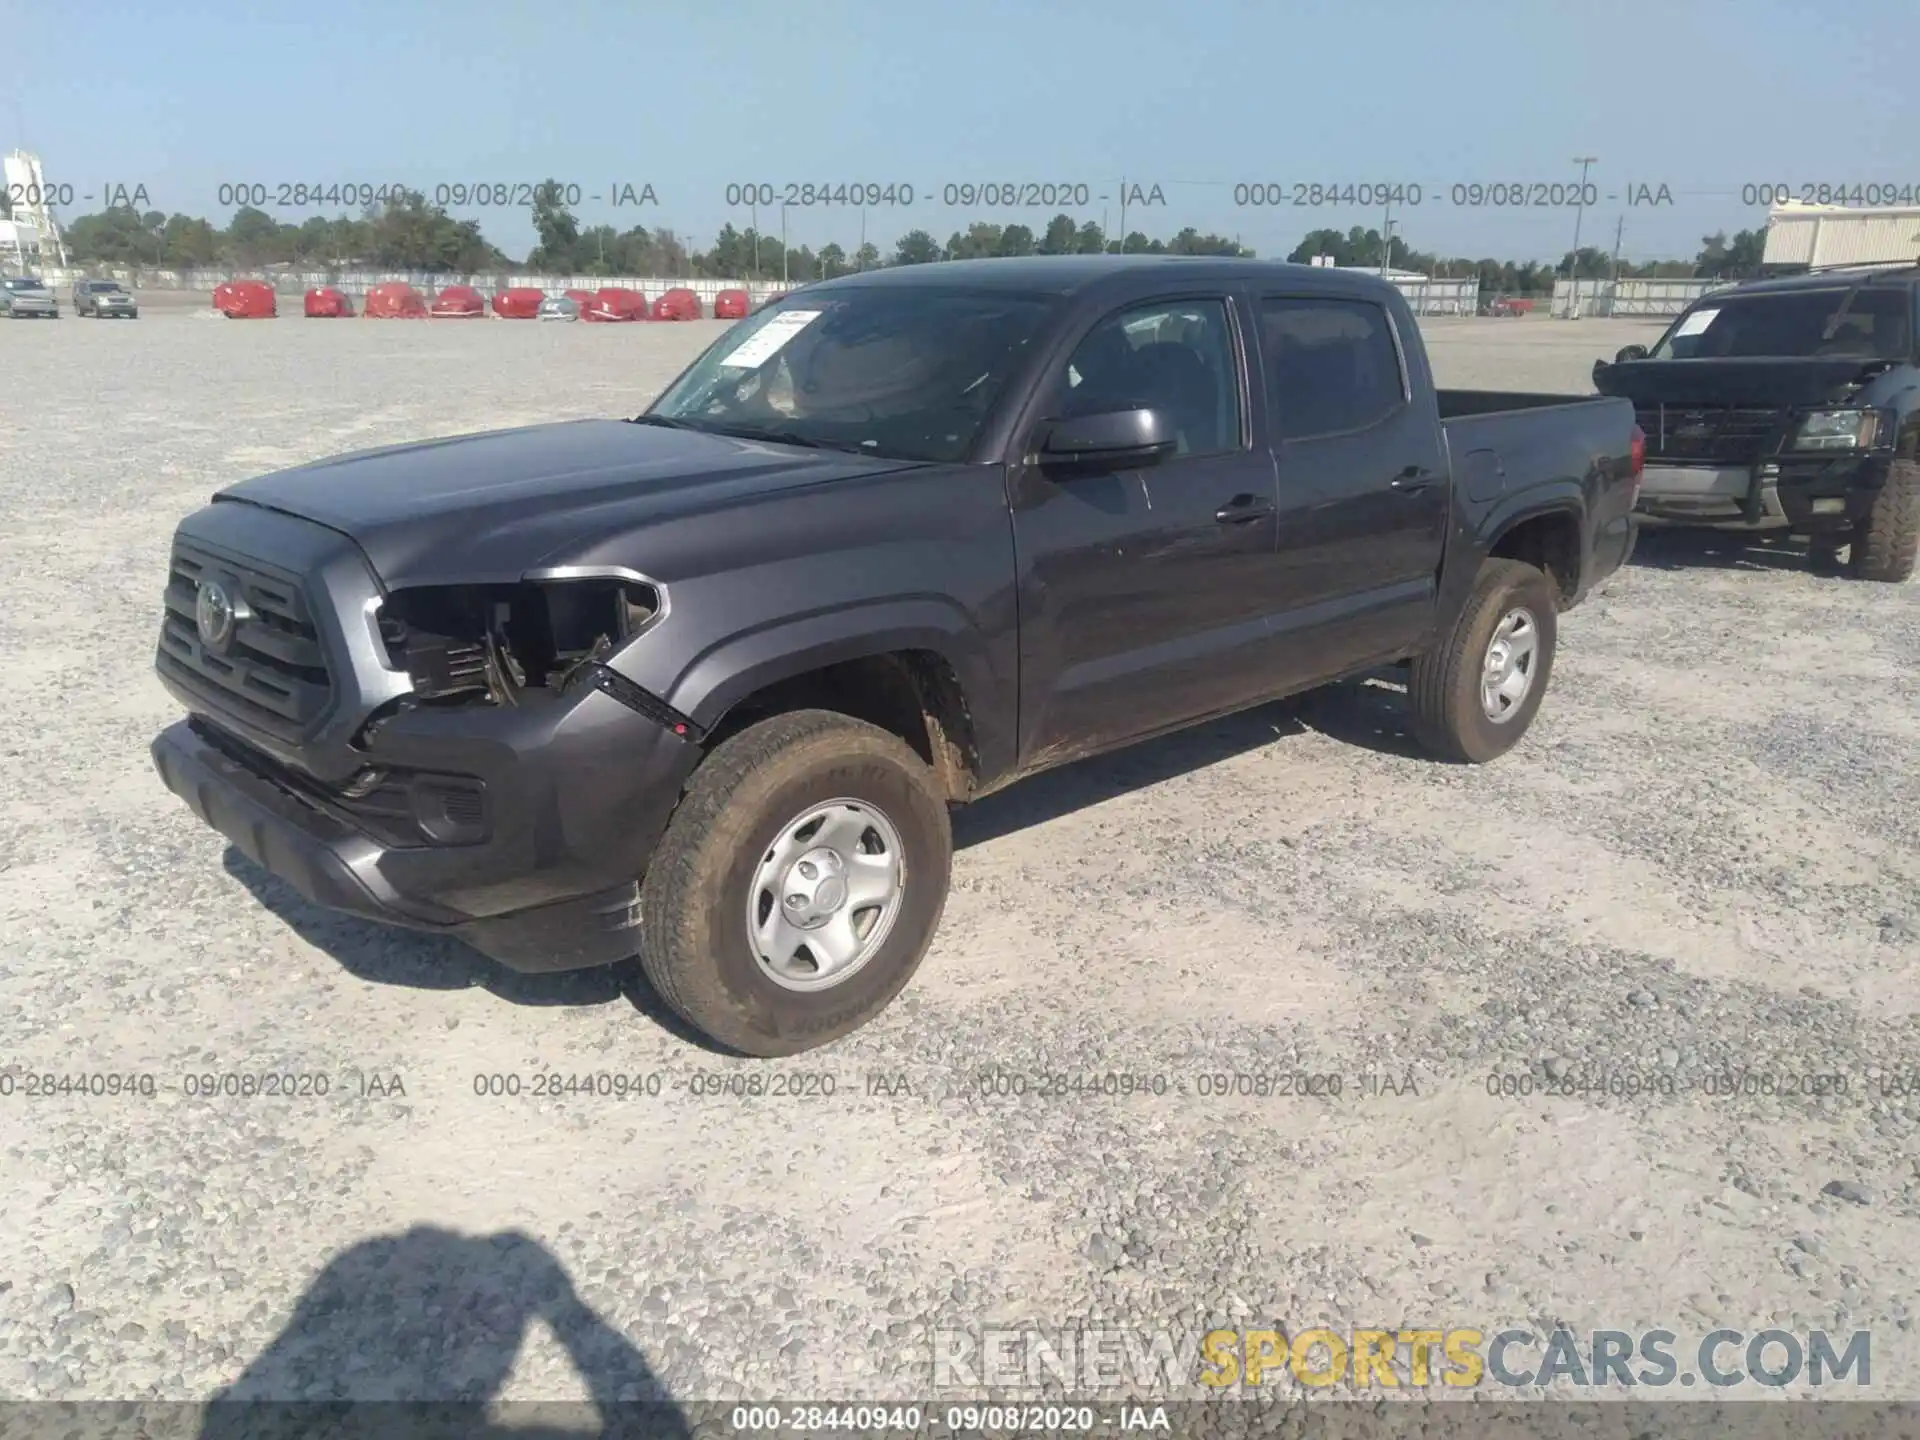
x: 825, y: 894
x: 1512, y: 659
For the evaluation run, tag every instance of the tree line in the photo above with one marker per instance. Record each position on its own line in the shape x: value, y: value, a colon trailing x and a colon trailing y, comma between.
x: 407, y: 233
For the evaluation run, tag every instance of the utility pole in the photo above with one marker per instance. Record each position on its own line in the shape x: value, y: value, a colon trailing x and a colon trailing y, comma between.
x: 754, y: 210
x: 862, y: 253
x: 1579, y: 212
x: 1613, y: 267
x: 783, y: 244
x: 1386, y: 231
x: 1123, y: 210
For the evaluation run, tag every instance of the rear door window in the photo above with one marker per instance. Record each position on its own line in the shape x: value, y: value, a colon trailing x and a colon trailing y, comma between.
x: 1332, y: 365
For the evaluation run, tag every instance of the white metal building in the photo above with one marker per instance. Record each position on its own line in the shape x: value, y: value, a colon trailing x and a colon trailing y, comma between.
x: 1822, y: 235
x: 32, y: 238
x: 1426, y: 295
x: 1650, y: 298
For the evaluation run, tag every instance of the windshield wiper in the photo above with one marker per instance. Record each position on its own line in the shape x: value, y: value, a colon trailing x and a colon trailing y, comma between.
x: 790, y: 437
x: 753, y: 432
x: 664, y: 421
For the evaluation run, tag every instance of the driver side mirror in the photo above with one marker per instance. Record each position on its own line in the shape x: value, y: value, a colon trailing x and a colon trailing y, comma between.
x: 1117, y: 438
x: 1630, y: 352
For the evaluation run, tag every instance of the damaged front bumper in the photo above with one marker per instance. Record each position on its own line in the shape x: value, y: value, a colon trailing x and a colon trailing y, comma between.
x: 1810, y: 495
x: 520, y: 830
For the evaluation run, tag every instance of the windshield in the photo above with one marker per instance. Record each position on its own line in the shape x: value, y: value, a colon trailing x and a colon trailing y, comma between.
x: 1854, y: 324
x: 103, y: 287
x: 906, y: 374
x: 23, y: 282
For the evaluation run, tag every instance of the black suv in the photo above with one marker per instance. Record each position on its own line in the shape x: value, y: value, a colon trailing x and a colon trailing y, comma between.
x: 1788, y: 404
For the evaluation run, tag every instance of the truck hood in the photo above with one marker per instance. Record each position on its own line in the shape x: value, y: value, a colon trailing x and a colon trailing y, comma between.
x: 486, y: 508
x: 1736, y: 382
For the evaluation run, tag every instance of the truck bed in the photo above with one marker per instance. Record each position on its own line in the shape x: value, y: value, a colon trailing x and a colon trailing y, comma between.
x: 1503, y: 441
x: 1457, y: 404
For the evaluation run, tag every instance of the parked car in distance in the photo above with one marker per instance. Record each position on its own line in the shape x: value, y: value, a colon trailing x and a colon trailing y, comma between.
x: 1509, y: 306
x: 518, y: 302
x: 1788, y: 405
x: 104, y: 300
x: 394, y: 300
x: 28, y: 297
x: 458, y: 302
x: 559, y: 307
x: 677, y: 304
x: 580, y: 689
x: 246, y: 300
x: 731, y: 305
x: 328, y: 302
x: 614, y: 303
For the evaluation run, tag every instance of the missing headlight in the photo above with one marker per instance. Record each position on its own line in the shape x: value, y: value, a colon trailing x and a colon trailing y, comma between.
x: 470, y: 644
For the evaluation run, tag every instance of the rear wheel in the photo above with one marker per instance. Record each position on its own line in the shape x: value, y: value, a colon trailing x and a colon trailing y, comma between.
x: 798, y: 885
x: 1886, y: 542
x: 1476, y: 692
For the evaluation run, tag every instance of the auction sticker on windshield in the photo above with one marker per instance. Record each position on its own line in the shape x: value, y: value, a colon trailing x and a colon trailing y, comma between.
x: 1695, y: 323
x: 771, y: 338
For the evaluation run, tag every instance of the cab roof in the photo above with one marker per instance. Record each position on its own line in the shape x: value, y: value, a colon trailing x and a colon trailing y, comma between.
x: 1073, y: 274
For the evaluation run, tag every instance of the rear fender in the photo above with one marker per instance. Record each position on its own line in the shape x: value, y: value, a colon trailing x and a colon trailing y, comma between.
x: 1555, y: 497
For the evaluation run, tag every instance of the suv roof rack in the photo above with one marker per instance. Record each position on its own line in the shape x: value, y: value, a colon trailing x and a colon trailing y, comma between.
x: 1913, y: 264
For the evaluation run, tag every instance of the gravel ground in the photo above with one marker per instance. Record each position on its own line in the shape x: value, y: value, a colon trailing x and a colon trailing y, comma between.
x: 1706, y: 857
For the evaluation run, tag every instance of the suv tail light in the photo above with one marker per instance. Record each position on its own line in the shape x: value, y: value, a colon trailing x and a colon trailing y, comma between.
x: 1637, y: 453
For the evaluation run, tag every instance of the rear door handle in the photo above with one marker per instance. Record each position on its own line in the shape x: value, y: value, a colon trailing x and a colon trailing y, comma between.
x: 1242, y: 508
x: 1412, y: 480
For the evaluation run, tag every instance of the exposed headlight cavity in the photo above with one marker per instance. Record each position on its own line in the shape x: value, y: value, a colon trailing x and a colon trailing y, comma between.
x: 489, y: 643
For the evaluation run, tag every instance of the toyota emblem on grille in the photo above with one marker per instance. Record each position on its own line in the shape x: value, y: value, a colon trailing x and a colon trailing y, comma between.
x: 214, y: 613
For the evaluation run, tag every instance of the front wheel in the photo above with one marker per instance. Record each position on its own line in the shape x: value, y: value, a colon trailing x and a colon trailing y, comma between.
x: 1887, y: 542
x: 1476, y: 692
x: 798, y: 885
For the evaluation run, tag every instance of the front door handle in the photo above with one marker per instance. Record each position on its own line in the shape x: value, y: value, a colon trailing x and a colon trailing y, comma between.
x: 1412, y: 480
x: 1242, y: 508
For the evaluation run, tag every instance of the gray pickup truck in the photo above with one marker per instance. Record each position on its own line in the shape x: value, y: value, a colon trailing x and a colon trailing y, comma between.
x: 704, y: 683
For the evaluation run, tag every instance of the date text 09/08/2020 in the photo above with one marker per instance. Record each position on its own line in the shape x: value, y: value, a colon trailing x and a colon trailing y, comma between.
x: 1081, y: 195
x: 459, y: 194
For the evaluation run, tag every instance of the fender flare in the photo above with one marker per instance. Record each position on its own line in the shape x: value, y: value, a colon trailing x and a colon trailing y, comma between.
x: 737, y: 666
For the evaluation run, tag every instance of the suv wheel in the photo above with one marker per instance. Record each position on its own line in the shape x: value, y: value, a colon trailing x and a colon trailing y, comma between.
x: 1475, y: 693
x: 798, y: 885
x: 1886, y: 542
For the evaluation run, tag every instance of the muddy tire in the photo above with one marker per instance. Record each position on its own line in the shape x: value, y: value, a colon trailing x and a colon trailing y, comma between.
x: 1886, y: 542
x: 798, y: 884
x: 1476, y: 692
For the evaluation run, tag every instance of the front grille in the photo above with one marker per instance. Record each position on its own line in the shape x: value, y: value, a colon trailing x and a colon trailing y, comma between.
x: 273, y: 671
x: 1723, y: 434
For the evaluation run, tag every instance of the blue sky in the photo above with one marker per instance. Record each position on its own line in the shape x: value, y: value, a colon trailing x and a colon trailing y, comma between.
x: 1193, y: 97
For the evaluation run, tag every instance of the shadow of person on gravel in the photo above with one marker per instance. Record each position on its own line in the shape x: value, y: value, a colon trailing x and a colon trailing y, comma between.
x: 1659, y: 548
x: 415, y: 1334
